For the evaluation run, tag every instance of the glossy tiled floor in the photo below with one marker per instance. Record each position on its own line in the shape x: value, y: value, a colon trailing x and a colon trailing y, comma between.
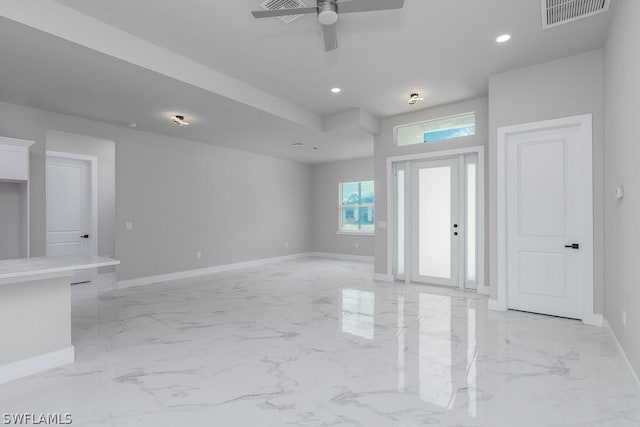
x: 316, y: 342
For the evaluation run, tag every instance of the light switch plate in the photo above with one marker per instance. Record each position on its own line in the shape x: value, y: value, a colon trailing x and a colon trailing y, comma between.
x: 128, y: 225
x: 619, y: 192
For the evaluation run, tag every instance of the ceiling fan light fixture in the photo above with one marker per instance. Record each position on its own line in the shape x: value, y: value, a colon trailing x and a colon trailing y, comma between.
x: 327, y: 13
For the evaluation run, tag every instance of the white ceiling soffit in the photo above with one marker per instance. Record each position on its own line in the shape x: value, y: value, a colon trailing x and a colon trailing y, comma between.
x: 559, y: 12
x: 81, y: 29
x: 357, y: 116
x: 50, y: 73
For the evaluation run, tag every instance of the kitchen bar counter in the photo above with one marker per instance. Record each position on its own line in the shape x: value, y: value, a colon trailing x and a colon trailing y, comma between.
x: 35, y: 312
x: 12, y: 270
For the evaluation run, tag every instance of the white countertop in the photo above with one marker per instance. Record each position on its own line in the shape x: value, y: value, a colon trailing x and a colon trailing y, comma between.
x: 24, y: 267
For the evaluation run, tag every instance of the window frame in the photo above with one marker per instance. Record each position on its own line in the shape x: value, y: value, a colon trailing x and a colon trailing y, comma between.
x: 435, y: 119
x: 364, y: 205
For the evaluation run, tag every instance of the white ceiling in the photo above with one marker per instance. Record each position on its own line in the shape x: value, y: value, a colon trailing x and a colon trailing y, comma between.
x: 444, y: 49
x: 36, y: 72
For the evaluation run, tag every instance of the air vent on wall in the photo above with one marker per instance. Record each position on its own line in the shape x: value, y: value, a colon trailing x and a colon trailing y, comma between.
x: 284, y: 4
x: 558, y: 12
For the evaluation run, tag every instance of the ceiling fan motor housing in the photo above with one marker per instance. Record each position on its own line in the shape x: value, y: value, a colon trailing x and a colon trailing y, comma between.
x: 327, y: 12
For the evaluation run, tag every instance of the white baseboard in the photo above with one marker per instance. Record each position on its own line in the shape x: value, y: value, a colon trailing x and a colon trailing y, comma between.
x: 148, y: 280
x: 381, y: 277
x: 606, y: 325
x: 496, y: 305
x: 593, y: 319
x: 44, y: 362
x: 343, y: 257
x: 483, y: 290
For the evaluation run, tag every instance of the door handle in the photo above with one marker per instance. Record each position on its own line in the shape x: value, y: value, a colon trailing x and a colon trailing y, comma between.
x: 572, y: 246
x: 84, y: 236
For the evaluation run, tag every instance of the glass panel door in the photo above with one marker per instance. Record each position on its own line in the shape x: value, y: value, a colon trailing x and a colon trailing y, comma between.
x: 435, y: 212
x: 400, y: 222
x: 471, y: 226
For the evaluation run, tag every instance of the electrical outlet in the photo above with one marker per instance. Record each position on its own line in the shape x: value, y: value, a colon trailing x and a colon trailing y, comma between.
x: 198, y: 255
x: 624, y: 318
x: 357, y: 245
x: 286, y: 245
x: 128, y: 225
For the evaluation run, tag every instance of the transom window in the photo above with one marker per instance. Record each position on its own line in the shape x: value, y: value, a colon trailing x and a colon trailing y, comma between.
x: 440, y: 129
x: 356, y: 207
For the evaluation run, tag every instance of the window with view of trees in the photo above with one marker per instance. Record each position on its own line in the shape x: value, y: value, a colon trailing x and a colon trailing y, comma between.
x: 356, y: 207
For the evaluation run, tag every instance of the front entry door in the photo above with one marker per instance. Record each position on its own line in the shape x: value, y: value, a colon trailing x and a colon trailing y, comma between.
x: 545, y: 212
x: 435, y: 216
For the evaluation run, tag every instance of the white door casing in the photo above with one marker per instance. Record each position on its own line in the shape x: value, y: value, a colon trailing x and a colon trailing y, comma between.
x: 71, y: 207
x: 545, y: 202
x: 466, y: 156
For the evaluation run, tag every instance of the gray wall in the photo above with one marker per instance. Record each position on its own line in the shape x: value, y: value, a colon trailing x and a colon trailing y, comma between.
x: 622, y: 151
x: 9, y: 220
x: 326, y: 178
x: 105, y: 151
x: 386, y: 147
x: 567, y: 87
x: 182, y: 196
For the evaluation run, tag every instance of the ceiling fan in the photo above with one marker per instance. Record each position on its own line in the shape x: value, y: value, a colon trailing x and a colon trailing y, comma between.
x: 328, y: 12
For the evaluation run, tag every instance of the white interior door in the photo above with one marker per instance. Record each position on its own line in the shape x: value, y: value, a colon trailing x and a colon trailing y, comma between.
x: 69, y: 213
x: 545, y: 213
x: 435, y: 222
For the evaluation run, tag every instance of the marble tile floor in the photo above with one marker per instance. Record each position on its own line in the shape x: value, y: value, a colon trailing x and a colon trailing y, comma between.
x: 316, y: 342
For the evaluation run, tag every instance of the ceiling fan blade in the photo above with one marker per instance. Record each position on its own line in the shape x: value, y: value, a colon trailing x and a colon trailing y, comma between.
x: 330, y: 34
x: 368, y: 5
x: 283, y: 12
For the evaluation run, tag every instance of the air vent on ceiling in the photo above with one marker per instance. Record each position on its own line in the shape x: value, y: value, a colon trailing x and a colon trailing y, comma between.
x: 284, y: 4
x: 558, y: 12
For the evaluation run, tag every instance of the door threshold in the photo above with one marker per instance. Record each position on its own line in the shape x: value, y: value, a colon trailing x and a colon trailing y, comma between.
x: 80, y: 283
x: 544, y: 314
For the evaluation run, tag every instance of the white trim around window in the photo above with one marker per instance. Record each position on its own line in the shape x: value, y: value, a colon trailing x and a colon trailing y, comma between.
x: 371, y: 206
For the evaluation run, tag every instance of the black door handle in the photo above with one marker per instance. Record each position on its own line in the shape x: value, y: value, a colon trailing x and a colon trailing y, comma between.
x: 572, y: 246
x: 84, y: 236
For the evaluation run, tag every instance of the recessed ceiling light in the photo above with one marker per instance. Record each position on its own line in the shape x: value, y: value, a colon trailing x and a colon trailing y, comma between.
x: 336, y: 90
x: 503, y: 38
x: 132, y: 125
x: 179, y: 120
x: 297, y: 144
